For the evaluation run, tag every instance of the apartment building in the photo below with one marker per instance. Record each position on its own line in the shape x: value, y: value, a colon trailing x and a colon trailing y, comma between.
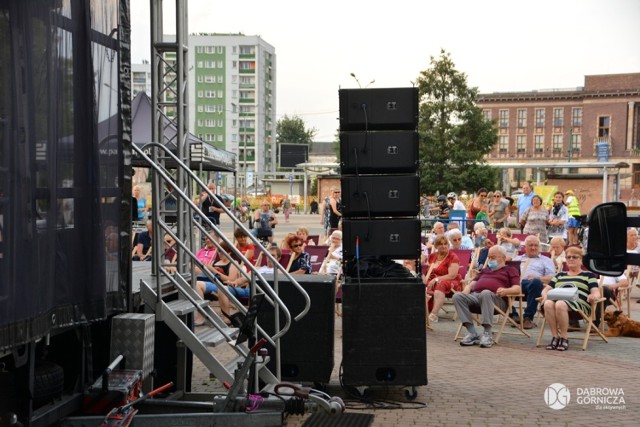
x: 232, y: 97
x: 595, y: 122
x: 140, y: 78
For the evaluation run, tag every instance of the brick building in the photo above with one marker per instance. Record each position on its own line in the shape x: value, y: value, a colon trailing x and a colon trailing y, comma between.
x: 579, y: 125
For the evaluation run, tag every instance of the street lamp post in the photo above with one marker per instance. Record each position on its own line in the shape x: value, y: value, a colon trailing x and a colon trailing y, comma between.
x: 358, y: 81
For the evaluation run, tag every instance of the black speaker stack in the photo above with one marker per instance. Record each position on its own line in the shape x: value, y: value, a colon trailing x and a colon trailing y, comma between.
x: 384, y: 333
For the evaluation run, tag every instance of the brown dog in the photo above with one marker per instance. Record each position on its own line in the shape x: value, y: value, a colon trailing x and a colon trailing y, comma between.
x: 620, y: 325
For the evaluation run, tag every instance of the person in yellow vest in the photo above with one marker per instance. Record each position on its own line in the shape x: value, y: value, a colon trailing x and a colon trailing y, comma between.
x: 574, y: 217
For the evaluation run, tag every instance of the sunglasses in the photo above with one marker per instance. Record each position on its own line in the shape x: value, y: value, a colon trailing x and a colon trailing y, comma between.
x: 295, y: 246
x: 456, y: 240
x: 497, y: 195
x: 573, y: 257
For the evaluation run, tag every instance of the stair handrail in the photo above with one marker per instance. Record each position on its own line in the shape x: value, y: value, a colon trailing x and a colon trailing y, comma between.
x: 267, y: 289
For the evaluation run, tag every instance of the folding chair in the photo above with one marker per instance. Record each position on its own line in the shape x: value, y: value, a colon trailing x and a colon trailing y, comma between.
x: 589, y: 319
x: 624, y: 293
x: 497, y: 311
x: 317, y: 255
x: 504, y: 314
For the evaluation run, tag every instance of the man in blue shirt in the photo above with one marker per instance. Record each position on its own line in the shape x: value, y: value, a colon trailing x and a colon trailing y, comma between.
x: 524, y: 201
x: 536, y: 272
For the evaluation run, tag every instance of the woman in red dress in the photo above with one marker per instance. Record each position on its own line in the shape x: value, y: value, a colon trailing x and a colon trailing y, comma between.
x: 443, y: 277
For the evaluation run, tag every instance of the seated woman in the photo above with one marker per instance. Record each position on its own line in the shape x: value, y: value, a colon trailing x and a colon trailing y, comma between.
x: 332, y: 263
x: 510, y: 244
x: 225, y: 272
x: 457, y: 241
x: 244, y: 245
x: 442, y: 277
x: 207, y: 254
x: 557, y: 312
x: 557, y: 245
x: 300, y: 262
x: 239, y: 287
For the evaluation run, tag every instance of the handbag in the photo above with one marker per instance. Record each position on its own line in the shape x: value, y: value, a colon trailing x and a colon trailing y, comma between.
x: 566, y: 293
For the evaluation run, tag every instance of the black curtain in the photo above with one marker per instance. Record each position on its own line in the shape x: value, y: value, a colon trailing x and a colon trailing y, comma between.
x: 62, y: 174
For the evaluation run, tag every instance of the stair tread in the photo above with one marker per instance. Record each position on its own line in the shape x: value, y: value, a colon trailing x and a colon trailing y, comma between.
x: 181, y: 306
x: 212, y: 337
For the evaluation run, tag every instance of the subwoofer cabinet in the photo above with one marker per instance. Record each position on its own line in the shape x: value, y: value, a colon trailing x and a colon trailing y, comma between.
x: 384, y: 333
x: 378, y: 152
x: 393, y: 238
x: 380, y: 195
x: 378, y: 109
x: 307, y: 348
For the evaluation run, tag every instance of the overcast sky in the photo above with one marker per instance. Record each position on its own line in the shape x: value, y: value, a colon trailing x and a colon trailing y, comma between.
x: 502, y: 45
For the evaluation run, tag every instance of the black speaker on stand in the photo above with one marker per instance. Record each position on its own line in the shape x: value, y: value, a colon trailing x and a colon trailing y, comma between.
x: 384, y: 316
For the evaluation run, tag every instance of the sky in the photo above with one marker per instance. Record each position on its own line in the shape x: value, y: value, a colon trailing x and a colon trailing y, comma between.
x: 501, y: 45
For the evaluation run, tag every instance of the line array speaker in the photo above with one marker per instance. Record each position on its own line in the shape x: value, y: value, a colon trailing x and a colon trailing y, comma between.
x: 384, y: 346
x: 393, y: 238
x: 380, y: 195
x: 378, y: 152
x: 378, y: 109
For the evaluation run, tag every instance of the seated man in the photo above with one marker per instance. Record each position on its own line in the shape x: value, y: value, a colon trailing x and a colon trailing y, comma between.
x: 487, y: 290
x: 142, y: 248
x: 536, y: 272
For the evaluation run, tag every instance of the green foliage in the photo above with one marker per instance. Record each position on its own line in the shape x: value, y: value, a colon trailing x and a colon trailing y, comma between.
x: 292, y: 130
x: 454, y: 137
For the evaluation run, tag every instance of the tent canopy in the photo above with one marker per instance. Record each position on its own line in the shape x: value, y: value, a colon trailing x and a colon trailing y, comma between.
x: 202, y: 155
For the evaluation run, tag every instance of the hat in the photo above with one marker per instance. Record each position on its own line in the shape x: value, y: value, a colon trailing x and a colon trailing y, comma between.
x: 441, y: 198
x: 452, y: 195
x: 569, y: 192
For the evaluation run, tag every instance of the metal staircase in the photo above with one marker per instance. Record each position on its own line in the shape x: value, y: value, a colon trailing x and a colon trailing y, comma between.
x: 174, y: 300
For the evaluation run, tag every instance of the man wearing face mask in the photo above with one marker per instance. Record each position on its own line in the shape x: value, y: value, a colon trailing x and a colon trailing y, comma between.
x: 490, y: 288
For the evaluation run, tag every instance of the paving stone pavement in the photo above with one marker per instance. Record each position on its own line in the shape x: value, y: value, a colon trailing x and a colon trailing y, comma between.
x: 500, y: 386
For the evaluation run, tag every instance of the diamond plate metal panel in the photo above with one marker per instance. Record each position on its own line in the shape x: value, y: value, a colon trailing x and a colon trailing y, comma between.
x: 132, y: 334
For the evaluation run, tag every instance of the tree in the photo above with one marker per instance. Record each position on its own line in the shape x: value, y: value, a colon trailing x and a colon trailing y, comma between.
x: 454, y: 136
x: 292, y: 130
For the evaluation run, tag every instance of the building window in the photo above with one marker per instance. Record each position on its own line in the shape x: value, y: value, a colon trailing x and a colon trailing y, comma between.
x: 211, y: 108
x: 219, y: 138
x: 539, y: 144
x: 576, y: 142
x: 220, y: 50
x: 198, y: 49
x: 199, y: 108
x: 209, y: 79
x: 199, y: 64
x: 220, y: 108
x: 576, y: 117
x: 220, y: 79
x: 521, y: 143
x: 219, y: 94
x: 522, y: 118
x: 220, y: 124
x: 486, y: 115
x: 558, y: 117
x: 234, y: 64
x: 539, y: 117
x: 503, y: 143
x: 603, y: 126
x: 209, y: 123
x: 504, y: 118
x: 210, y: 49
x: 557, y: 143
x: 199, y: 79
x: 200, y: 94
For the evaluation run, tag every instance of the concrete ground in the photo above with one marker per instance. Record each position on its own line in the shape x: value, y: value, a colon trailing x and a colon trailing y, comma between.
x: 500, y: 386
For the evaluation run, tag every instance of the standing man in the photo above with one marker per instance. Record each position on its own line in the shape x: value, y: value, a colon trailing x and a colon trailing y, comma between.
x: 536, y: 271
x: 488, y: 289
x: 573, y: 222
x: 211, y: 206
x: 286, y: 207
x: 524, y: 201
